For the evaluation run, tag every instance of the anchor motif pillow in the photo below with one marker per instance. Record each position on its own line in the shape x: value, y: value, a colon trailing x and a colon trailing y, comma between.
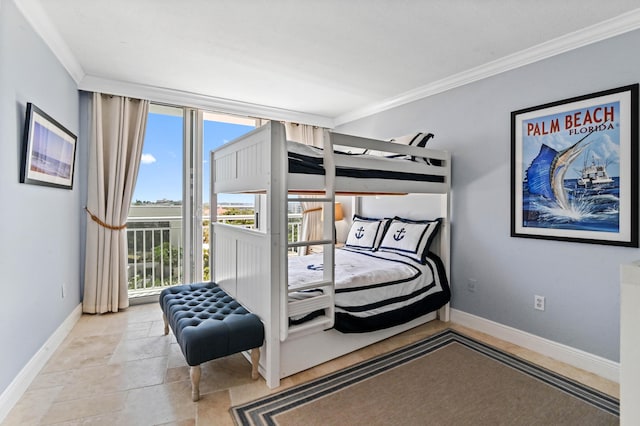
x: 365, y: 233
x: 411, y: 238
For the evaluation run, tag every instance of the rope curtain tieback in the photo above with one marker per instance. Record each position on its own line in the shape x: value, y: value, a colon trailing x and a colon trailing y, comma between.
x: 315, y: 209
x: 97, y: 220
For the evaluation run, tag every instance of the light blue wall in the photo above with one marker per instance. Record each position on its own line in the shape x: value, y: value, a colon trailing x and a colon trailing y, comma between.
x: 580, y: 281
x: 39, y: 226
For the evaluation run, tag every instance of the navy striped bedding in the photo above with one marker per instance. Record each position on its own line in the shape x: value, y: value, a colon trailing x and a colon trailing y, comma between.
x: 374, y: 289
x: 305, y: 159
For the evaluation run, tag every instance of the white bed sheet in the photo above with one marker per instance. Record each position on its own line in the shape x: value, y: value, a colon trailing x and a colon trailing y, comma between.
x: 368, y: 283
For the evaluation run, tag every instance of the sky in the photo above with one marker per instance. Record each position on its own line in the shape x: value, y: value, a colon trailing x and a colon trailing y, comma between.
x: 160, y: 174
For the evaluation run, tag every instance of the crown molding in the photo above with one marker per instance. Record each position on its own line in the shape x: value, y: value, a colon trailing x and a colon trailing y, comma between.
x: 41, y: 24
x: 196, y: 100
x: 610, y: 28
x: 38, y: 19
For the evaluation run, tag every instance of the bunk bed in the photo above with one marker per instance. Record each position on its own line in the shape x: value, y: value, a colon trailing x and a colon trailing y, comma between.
x: 253, y: 265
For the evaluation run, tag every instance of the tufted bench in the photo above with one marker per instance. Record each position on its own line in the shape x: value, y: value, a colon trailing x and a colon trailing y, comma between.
x: 209, y: 324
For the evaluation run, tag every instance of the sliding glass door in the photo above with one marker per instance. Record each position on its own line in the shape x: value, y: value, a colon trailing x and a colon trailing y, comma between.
x: 167, y: 228
x: 154, y: 227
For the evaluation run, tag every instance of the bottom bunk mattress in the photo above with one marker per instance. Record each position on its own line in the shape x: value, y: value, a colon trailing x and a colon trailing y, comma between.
x: 374, y: 289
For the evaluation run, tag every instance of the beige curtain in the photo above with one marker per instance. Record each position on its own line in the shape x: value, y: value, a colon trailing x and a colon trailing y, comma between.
x: 311, y: 211
x: 303, y: 133
x: 311, y: 223
x: 115, y: 147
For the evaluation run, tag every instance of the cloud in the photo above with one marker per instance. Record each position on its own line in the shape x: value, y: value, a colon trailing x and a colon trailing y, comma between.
x: 147, y: 159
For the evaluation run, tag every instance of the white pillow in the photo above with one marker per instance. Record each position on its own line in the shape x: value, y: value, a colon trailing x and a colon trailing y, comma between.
x: 365, y: 233
x: 411, y: 238
x: 413, y: 139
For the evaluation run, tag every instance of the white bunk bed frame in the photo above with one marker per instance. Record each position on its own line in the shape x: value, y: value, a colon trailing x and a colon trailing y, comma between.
x: 251, y: 265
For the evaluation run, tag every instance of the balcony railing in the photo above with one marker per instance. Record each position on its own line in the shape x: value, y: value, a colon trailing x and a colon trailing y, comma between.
x: 154, y: 249
x: 154, y: 252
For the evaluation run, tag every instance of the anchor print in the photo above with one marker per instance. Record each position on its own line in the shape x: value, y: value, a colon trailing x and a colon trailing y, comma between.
x: 399, y: 234
x: 359, y: 232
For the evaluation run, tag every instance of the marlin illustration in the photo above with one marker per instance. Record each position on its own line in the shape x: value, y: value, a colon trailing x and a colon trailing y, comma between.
x: 545, y: 175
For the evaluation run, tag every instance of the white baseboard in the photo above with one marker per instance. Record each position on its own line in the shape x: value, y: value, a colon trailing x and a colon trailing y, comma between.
x: 597, y: 365
x: 21, y: 382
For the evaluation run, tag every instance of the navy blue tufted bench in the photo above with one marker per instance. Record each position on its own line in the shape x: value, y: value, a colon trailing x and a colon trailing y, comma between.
x: 209, y: 324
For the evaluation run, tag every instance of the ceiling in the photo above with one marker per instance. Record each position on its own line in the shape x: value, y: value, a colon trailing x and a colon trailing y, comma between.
x: 324, y: 62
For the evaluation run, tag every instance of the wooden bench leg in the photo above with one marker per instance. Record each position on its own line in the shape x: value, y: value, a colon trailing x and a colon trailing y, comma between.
x: 194, y: 372
x: 255, y: 362
x: 166, y: 324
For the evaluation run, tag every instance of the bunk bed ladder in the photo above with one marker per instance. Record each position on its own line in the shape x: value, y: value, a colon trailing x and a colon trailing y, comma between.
x: 326, y: 301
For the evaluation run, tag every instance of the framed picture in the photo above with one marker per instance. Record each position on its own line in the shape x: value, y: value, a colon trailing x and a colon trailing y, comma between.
x: 574, y: 169
x: 49, y: 151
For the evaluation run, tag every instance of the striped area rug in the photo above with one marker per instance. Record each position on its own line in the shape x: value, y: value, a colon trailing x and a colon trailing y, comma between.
x: 446, y: 379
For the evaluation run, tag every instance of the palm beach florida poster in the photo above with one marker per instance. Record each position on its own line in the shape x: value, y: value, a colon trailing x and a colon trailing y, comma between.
x: 574, y: 169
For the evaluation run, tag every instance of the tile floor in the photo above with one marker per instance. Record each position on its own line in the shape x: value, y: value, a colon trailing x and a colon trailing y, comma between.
x: 120, y: 369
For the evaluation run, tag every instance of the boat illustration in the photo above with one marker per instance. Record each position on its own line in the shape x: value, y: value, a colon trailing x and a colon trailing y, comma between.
x: 593, y: 175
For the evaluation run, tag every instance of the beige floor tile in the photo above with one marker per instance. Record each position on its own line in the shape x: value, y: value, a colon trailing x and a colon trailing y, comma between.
x: 188, y: 422
x: 102, y: 420
x: 157, y: 329
x: 137, y: 330
x: 176, y: 358
x: 225, y: 373
x: 114, y: 378
x: 85, y: 407
x: 177, y: 374
x: 95, y: 325
x: 213, y: 409
x: 83, y: 351
x: 148, y: 347
x: 158, y: 404
x: 121, y: 369
x: 254, y: 390
x: 33, y: 405
x: 51, y: 380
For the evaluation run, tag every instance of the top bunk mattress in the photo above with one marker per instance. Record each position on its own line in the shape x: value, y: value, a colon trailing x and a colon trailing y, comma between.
x: 306, y: 159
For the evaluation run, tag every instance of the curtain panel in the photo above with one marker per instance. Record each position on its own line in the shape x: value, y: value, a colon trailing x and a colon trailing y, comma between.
x: 115, y: 147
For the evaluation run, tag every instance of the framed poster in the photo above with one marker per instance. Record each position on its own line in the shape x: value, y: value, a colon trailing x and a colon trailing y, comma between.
x: 49, y: 151
x: 574, y: 169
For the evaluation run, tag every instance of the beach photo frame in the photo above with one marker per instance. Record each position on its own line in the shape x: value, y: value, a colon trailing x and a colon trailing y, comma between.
x: 49, y: 151
x: 574, y: 169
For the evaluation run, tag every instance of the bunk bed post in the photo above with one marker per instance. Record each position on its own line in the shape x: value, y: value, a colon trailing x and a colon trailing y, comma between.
x: 445, y: 234
x: 445, y: 248
x: 213, y: 214
x: 277, y: 206
x: 328, y: 230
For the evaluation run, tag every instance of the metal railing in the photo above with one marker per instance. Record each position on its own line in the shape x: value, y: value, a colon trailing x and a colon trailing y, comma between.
x: 154, y: 249
x: 154, y: 252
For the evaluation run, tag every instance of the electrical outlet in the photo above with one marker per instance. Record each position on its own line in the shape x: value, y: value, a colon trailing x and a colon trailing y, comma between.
x: 471, y: 284
x: 538, y: 302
